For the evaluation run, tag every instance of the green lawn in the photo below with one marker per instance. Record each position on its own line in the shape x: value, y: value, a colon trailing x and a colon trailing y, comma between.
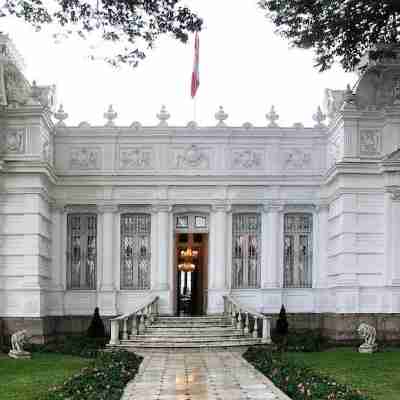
x: 28, y: 379
x: 376, y: 374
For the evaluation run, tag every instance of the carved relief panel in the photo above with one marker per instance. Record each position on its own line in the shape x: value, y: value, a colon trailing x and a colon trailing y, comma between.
x: 190, y: 157
x: 370, y: 142
x: 246, y: 159
x: 295, y: 159
x: 85, y: 158
x: 14, y: 141
x: 136, y: 158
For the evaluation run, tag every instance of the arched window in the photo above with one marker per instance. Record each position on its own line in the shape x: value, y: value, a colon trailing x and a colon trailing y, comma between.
x: 135, y: 251
x: 297, y: 250
x: 81, y: 251
x: 246, y: 250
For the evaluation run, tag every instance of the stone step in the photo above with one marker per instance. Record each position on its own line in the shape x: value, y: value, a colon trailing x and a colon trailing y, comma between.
x: 190, y: 325
x: 190, y: 344
x: 185, y: 333
x: 183, y: 339
x: 205, y: 319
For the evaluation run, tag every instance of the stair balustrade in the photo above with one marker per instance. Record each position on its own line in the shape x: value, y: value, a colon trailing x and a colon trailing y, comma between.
x: 135, y: 322
x: 246, y: 320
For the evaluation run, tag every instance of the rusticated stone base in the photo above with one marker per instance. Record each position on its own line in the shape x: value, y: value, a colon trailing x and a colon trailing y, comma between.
x: 342, y: 328
x: 338, y: 328
x: 45, y: 329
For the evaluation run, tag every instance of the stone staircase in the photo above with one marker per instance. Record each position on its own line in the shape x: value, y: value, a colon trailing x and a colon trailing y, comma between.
x: 188, y: 332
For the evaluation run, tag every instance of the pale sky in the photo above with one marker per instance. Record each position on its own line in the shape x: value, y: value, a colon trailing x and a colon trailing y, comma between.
x: 244, y: 66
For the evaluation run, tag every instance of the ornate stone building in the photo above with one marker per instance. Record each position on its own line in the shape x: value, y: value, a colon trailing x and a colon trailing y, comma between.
x: 102, y: 216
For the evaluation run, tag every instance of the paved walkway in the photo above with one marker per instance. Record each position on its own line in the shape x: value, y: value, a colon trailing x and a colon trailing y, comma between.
x: 201, y: 375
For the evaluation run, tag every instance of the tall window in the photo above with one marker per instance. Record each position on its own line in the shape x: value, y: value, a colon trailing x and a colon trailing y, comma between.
x: 246, y: 250
x: 297, y: 257
x: 81, y: 251
x: 135, y: 251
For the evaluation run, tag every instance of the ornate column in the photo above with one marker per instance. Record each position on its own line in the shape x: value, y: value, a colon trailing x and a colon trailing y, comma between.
x: 218, y: 258
x: 154, y: 273
x: 220, y: 254
x: 107, y: 291
x: 108, y: 246
x: 320, y: 248
x: 273, y: 247
x: 265, y: 255
x: 394, y: 212
x: 57, y: 212
x: 163, y: 246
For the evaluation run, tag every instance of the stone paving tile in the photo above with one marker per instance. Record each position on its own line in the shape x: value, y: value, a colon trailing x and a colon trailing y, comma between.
x: 201, y: 375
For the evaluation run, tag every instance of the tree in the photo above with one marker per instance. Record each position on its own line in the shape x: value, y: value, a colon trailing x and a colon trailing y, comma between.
x: 134, y: 23
x: 336, y: 29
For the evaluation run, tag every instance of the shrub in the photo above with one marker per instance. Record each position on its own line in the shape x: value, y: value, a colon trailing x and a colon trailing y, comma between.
x: 96, y: 327
x: 282, y: 325
x: 298, y: 381
x: 104, y: 380
x: 309, y: 341
x: 81, y: 346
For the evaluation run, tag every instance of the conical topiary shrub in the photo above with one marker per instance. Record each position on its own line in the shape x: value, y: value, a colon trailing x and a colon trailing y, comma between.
x: 282, y: 325
x: 96, y: 328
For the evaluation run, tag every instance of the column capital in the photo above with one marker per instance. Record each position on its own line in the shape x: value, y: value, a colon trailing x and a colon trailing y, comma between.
x: 107, y: 208
x: 394, y: 193
x: 320, y: 207
x: 273, y: 208
x: 55, y: 206
x: 161, y: 207
x: 221, y: 207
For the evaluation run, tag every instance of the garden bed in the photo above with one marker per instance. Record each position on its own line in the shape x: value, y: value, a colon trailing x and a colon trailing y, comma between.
x: 298, y: 380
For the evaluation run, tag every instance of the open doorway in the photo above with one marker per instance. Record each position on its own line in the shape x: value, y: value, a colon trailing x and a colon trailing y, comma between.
x: 191, y: 258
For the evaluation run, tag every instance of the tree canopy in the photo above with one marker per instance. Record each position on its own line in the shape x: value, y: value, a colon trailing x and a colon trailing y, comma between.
x: 336, y: 29
x: 136, y: 23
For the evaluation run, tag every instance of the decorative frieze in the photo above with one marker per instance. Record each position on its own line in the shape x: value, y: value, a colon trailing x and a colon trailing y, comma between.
x: 370, y: 142
x: 85, y: 158
x: 135, y: 158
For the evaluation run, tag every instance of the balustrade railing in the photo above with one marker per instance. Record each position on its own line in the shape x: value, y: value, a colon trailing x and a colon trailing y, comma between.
x: 248, y: 321
x: 135, y: 322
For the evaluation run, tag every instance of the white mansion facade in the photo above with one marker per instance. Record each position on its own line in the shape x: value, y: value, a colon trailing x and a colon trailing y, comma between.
x: 99, y: 216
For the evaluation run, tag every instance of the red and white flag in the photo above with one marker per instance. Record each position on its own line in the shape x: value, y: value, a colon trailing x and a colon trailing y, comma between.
x: 195, y: 74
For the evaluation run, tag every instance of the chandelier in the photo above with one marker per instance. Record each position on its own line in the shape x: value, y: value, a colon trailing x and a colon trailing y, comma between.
x: 187, y: 256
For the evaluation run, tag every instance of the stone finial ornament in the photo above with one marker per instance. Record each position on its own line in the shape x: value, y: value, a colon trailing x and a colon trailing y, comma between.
x: 272, y: 117
x: 136, y: 125
x: 163, y: 116
x: 368, y: 333
x: 221, y: 116
x: 192, y: 125
x: 18, y: 339
x: 60, y: 116
x: 110, y: 115
x: 247, y: 125
x: 348, y: 95
x: 319, y: 117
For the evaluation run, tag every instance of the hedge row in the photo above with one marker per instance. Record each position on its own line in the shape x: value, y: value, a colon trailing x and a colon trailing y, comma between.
x: 298, y: 381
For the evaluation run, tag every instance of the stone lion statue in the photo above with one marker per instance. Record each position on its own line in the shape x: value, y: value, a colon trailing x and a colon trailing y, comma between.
x: 368, y: 333
x: 18, y: 339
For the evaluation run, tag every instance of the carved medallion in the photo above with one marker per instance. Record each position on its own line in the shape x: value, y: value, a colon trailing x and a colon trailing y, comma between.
x: 85, y: 158
x: 135, y: 158
x: 370, y: 142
